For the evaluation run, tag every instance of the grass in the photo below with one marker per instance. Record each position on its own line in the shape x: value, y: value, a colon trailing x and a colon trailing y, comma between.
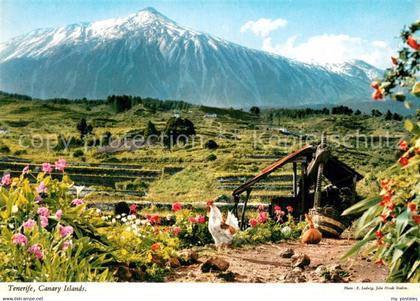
x: 246, y: 145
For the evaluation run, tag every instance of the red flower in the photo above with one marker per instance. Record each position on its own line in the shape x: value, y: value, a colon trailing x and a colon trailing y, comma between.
x: 133, y: 209
x: 201, y: 219
x: 253, y: 222
x: 154, y: 219
x: 390, y: 206
x: 380, y: 262
x: 413, y: 43
x: 277, y: 208
x: 379, y: 234
x: 403, y: 145
x: 386, y: 199
x: 385, y: 184
x: 403, y: 161
x: 416, y: 219
x: 394, y: 59
x: 155, y: 247
x: 192, y: 219
x: 412, y: 206
x: 375, y: 85
x: 289, y: 209
x: 176, y: 206
x: 377, y: 95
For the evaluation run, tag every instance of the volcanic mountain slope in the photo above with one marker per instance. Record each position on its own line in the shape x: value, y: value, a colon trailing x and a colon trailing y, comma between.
x: 147, y: 54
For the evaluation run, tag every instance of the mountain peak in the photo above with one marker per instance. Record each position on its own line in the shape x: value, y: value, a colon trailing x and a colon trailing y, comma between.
x: 150, y: 14
x: 151, y: 10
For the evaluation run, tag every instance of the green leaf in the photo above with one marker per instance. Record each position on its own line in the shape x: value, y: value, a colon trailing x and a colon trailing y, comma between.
x: 412, y: 127
x: 402, y: 222
x: 414, y: 268
x: 362, y: 206
x: 357, y: 247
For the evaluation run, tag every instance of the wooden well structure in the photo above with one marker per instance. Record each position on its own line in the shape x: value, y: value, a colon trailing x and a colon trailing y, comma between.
x: 322, y: 185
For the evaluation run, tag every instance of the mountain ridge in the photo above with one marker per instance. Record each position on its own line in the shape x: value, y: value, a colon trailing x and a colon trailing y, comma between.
x: 148, y: 54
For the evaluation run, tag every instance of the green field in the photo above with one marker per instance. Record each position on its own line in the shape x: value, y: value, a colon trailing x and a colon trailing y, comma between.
x: 29, y: 130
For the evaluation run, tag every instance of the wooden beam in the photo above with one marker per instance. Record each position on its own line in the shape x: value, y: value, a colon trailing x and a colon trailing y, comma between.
x: 248, y: 193
x: 294, y: 179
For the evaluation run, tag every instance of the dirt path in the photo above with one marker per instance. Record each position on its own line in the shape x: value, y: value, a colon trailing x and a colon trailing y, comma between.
x: 263, y: 263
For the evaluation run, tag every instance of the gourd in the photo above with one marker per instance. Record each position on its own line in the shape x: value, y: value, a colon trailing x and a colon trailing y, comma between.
x: 312, y: 235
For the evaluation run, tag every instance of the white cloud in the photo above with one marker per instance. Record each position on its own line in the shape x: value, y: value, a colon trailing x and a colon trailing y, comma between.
x: 262, y: 27
x: 330, y: 48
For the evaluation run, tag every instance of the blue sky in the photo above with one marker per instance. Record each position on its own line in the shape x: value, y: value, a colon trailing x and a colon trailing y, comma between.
x: 307, y: 30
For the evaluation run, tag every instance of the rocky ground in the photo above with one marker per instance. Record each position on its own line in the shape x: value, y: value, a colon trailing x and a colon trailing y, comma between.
x: 284, y: 262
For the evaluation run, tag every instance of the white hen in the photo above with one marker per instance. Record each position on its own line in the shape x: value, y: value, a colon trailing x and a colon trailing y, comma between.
x: 221, y: 230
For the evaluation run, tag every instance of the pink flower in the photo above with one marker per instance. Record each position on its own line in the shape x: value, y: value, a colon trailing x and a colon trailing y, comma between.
x: 176, y: 206
x: 60, y: 165
x: 25, y: 170
x: 19, y: 239
x: 29, y: 224
x: 59, y: 214
x: 289, y: 209
x: 43, y: 211
x: 252, y: 222
x: 37, y: 251
x: 67, y: 244
x: 176, y: 230
x: 201, y: 219
x: 262, y: 217
x: 47, y: 167
x: 133, y: 209
x: 44, y: 221
x: 65, y: 231
x: 41, y: 188
x: 277, y: 208
x: 6, y: 180
x: 38, y: 199
x: 77, y: 202
x: 192, y: 219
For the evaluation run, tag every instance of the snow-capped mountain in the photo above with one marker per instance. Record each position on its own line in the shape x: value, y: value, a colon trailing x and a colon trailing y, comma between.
x: 147, y: 54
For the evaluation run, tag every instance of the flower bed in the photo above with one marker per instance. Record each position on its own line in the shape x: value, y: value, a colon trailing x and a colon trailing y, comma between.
x: 47, y: 234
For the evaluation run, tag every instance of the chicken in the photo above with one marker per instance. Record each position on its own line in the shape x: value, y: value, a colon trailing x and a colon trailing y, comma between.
x: 222, y: 230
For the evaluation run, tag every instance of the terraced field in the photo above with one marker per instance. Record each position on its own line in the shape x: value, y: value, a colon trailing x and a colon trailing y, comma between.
x: 29, y: 131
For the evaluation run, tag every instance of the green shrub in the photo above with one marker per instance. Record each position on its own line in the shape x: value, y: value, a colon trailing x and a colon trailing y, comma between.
x: 78, y: 153
x: 211, y: 157
x: 211, y: 144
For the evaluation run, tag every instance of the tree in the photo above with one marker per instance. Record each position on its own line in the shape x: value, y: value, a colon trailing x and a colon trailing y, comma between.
x: 178, y: 129
x: 358, y: 112
x: 344, y: 110
x: 120, y: 103
x: 150, y: 130
x: 211, y: 144
x: 255, y: 110
x: 388, y: 115
x: 84, y: 128
x: 376, y: 113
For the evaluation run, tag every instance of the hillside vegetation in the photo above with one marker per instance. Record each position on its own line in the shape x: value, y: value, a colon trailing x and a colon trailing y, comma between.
x: 242, y: 143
